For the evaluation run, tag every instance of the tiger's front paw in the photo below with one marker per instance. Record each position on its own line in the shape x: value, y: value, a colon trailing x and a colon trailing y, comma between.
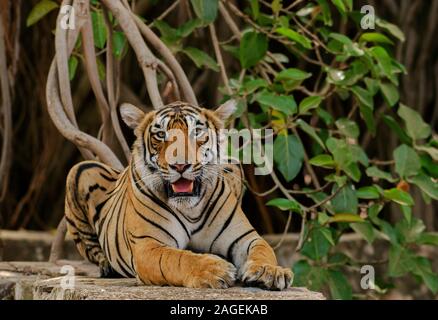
x: 210, y: 271
x: 266, y: 276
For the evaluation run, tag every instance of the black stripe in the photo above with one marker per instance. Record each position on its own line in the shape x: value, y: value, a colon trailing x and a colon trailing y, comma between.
x: 161, y: 268
x: 109, y: 216
x: 212, y: 205
x: 250, y: 244
x: 157, y: 226
x: 98, y: 210
x: 133, y: 236
x: 219, y: 209
x: 226, y: 224
x: 119, y: 253
x: 127, y: 273
x: 73, y: 224
x: 111, y: 179
x: 231, y: 247
x: 149, y: 208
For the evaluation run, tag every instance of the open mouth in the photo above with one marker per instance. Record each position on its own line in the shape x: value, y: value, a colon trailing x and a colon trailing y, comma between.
x: 183, y: 188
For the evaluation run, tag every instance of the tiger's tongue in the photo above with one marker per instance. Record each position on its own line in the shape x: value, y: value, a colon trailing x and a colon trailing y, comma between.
x: 182, y: 185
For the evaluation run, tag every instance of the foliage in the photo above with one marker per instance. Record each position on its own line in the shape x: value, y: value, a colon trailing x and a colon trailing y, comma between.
x: 354, y: 69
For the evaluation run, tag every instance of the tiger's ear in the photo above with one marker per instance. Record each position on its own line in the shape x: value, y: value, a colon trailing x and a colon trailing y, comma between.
x: 226, y: 110
x: 131, y: 115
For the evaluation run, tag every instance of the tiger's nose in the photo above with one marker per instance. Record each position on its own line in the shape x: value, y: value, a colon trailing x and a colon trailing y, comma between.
x: 180, y: 167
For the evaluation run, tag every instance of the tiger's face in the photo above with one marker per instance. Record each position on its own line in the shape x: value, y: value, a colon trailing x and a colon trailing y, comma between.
x: 176, y: 150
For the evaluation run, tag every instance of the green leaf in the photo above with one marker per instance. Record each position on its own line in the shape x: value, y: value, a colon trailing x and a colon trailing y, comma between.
x: 166, y: 30
x: 326, y: 13
x: 283, y: 103
x: 255, y: 8
x: 373, y: 213
x: 346, y: 200
x: 253, y: 48
x: 429, y: 165
x: 369, y: 193
x: 394, y: 126
x: 101, y: 69
x: 310, y: 131
x: 253, y: 85
x: 366, y: 230
x: 407, y: 162
x: 285, y: 204
x: 392, y: 29
x: 399, y: 196
x: 409, y: 229
x: 72, y: 67
x: 292, y: 74
x: 349, y: 47
x: 317, y: 245
x: 200, y: 58
x: 99, y: 29
x: 415, y: 126
x: 339, y: 286
x: 375, y: 172
x: 423, y: 269
x: 384, y: 61
x: 400, y: 261
x: 206, y: 10
x: 367, y: 115
x: 288, y: 155
x: 295, y: 36
x: 390, y: 93
x: 433, y: 152
x: 348, y: 128
x: 38, y: 12
x: 339, y: 4
x: 375, y: 37
x: 119, y: 42
x: 305, y: 275
x: 344, y: 157
x: 188, y: 27
x: 426, y: 184
x: 345, y: 217
x: 309, y: 103
x: 323, y: 160
x: 276, y: 6
x: 363, y: 96
x: 429, y: 238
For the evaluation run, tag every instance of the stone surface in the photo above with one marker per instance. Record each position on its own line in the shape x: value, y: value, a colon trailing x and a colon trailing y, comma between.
x: 42, y: 281
x: 129, y: 289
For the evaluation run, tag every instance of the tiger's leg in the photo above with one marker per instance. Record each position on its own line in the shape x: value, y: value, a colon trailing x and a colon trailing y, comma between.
x: 254, y: 257
x: 83, y: 233
x: 158, y: 264
x: 261, y: 267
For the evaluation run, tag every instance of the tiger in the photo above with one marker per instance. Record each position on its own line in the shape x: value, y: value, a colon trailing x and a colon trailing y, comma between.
x: 170, y: 221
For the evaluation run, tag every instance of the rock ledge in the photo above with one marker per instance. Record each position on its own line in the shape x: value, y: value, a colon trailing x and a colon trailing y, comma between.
x: 45, y: 281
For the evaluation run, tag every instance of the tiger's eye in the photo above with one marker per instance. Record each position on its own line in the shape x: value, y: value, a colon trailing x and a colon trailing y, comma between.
x: 161, y: 134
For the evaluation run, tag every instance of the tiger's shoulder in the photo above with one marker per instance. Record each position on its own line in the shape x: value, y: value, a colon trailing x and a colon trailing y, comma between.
x: 90, y: 179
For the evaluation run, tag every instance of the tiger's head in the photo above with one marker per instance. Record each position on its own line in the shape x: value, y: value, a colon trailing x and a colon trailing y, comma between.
x: 177, y: 149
